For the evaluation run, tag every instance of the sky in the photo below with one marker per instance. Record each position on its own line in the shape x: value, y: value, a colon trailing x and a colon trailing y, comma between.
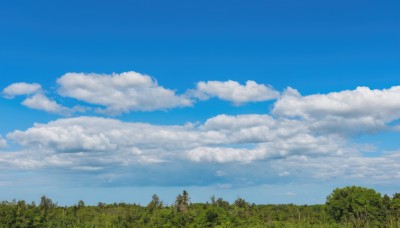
x: 271, y: 101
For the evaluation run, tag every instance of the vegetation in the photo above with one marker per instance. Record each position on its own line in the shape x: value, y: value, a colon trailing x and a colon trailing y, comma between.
x: 345, y: 207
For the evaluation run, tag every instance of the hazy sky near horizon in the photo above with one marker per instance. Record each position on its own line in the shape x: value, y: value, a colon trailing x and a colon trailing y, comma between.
x: 272, y: 101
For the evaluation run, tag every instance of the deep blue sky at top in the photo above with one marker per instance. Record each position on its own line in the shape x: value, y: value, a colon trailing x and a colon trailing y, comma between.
x: 313, y: 46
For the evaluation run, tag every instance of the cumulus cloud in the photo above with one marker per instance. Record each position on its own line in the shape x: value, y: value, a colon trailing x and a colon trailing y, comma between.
x: 304, y: 136
x: 234, y: 92
x: 113, y: 94
x: 275, y: 147
x: 119, y: 93
x: 35, y: 98
x: 221, y: 139
x: 359, y: 110
x: 42, y: 102
x: 21, y: 88
x: 383, y: 104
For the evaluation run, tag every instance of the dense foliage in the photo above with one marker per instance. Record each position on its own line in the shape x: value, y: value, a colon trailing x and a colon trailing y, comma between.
x: 345, y: 207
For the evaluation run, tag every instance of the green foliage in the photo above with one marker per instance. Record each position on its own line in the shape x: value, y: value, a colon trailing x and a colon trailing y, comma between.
x: 182, y: 202
x: 345, y: 207
x: 360, y: 206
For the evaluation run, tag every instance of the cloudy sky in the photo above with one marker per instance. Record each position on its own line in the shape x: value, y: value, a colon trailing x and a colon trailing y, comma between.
x: 271, y: 101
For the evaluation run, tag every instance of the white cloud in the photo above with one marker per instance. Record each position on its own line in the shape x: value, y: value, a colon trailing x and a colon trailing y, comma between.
x: 221, y: 139
x: 307, y: 136
x: 119, y: 93
x: 67, y: 135
x: 227, y: 122
x: 381, y: 105
x: 276, y: 148
x: 40, y: 101
x: 3, y: 142
x: 22, y: 160
x: 132, y: 91
x: 234, y: 92
x: 349, y: 112
x: 21, y: 88
x: 224, y: 155
x: 145, y: 142
x: 36, y: 99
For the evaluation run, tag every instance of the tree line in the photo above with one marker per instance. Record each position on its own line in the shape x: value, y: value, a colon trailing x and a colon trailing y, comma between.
x: 351, y: 206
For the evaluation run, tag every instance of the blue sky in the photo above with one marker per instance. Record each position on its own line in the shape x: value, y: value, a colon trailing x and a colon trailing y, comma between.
x: 273, y: 101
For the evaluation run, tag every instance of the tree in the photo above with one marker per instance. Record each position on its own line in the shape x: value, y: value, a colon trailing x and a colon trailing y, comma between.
x: 358, y: 205
x: 241, y: 203
x: 222, y: 203
x: 47, y: 208
x: 212, y: 198
x: 155, y: 203
x: 46, y: 203
x: 395, y: 208
x: 185, y: 197
x: 211, y: 217
x: 182, y: 201
x: 81, y: 204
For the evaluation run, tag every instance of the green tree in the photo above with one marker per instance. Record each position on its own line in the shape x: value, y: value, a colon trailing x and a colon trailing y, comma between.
x: 47, y: 209
x: 358, y: 205
x: 222, y: 203
x: 395, y: 208
x: 154, y: 204
x: 212, y: 198
x: 182, y: 202
x: 241, y: 203
x: 81, y: 204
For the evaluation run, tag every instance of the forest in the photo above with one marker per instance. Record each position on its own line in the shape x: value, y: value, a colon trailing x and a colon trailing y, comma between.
x: 351, y: 206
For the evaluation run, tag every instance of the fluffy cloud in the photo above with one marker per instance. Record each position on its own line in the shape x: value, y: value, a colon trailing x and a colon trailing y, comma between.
x: 221, y: 139
x: 104, y: 134
x: 132, y: 91
x: 305, y: 136
x: 351, y: 111
x: 234, y: 92
x: 362, y: 102
x: 118, y: 93
x: 21, y: 88
x: 41, y: 102
x: 36, y: 99
x: 246, y: 148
